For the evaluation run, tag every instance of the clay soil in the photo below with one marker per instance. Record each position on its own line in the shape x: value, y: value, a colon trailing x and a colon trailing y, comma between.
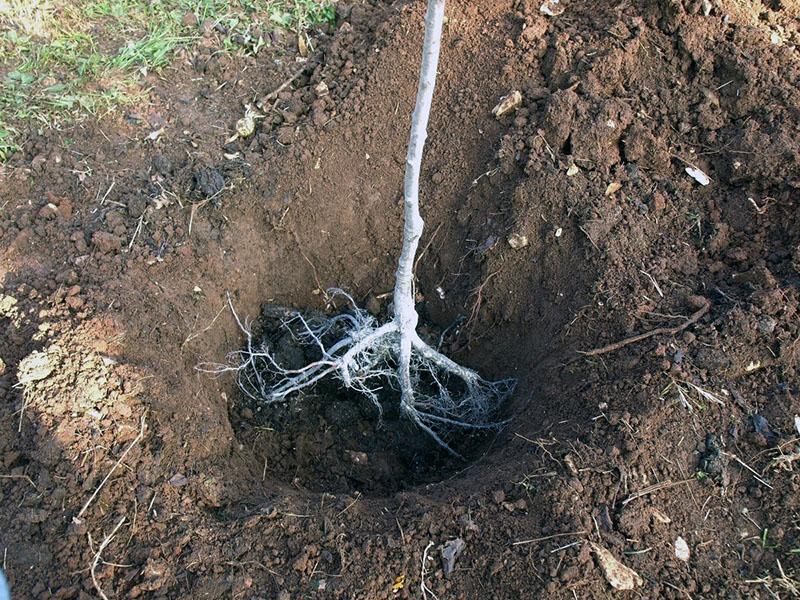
x: 117, y: 251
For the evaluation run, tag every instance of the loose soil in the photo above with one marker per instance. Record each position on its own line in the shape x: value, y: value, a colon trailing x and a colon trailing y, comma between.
x: 118, y: 250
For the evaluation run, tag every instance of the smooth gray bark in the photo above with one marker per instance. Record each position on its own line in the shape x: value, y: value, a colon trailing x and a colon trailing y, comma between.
x: 405, y: 312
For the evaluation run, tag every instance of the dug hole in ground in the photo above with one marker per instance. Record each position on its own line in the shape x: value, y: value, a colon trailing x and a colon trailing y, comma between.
x: 623, y: 241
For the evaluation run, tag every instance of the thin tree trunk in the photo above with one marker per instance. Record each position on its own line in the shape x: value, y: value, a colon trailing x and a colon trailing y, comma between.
x: 405, y: 312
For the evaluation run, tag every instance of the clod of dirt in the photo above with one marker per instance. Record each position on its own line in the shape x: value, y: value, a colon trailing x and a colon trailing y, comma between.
x: 764, y: 436
x: 162, y: 164
x: 618, y: 575
x: 508, y: 103
x: 208, y: 181
x: 34, y: 367
x: 713, y: 462
x: 106, y: 242
x: 450, y: 551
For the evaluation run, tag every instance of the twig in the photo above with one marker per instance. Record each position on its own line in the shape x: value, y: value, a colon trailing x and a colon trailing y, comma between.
x: 274, y: 93
x: 654, y: 488
x: 696, y: 316
x: 135, y: 441
x: 25, y: 477
x: 548, y: 537
x: 108, y: 191
x: 749, y: 468
x: 96, y: 559
x: 136, y: 231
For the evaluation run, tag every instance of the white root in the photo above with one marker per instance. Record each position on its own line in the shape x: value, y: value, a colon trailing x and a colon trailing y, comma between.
x: 436, y: 393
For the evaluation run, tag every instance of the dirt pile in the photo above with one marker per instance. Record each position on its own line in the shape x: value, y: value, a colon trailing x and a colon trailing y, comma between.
x: 118, y: 248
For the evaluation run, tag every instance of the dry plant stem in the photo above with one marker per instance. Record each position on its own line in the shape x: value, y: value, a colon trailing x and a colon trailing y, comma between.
x: 135, y: 441
x: 696, y: 316
x: 98, y: 555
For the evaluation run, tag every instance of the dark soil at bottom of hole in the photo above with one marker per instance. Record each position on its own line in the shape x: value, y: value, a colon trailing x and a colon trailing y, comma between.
x: 333, y: 439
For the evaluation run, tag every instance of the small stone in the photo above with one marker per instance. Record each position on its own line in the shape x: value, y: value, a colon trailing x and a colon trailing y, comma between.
x: 766, y: 324
x: 681, y: 549
x: 2, y: 367
x: 517, y: 241
x: 178, y: 480
x: 321, y: 89
x: 573, y: 170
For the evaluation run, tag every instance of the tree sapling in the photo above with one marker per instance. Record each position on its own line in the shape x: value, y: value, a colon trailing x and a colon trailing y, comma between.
x: 436, y: 393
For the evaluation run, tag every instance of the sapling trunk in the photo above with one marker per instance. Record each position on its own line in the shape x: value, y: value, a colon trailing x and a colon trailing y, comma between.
x: 405, y: 312
x: 436, y: 393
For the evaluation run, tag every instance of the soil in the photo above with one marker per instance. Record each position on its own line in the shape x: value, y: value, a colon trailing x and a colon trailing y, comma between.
x: 129, y: 473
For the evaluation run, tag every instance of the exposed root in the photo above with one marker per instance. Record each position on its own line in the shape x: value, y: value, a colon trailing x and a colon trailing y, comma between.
x: 694, y: 318
x: 363, y: 356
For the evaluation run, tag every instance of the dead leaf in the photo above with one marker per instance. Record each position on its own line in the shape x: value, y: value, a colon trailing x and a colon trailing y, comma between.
x: 399, y: 583
x: 659, y: 516
x: 508, y: 103
x: 34, y: 367
x: 614, y: 186
x: 551, y: 8
x: 698, y: 175
x: 154, y: 135
x: 618, y: 575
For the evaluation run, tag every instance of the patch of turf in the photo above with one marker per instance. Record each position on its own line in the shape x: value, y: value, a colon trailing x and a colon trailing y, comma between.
x: 61, y: 60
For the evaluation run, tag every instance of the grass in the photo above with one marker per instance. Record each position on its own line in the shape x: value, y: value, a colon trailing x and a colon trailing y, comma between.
x: 62, y: 60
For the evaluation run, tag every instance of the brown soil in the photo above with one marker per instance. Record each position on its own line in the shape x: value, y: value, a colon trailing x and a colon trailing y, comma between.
x: 117, y: 252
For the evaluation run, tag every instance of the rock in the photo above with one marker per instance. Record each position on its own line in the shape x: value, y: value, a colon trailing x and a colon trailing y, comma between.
x: 2, y: 367
x: 321, y: 89
x: 106, y: 242
x: 450, y: 551
x: 517, y: 241
x: 618, y: 575
x: 681, y: 549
